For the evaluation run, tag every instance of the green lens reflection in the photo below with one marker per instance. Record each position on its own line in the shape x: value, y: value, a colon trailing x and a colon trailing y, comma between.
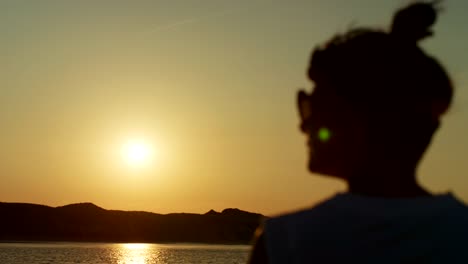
x: 324, y: 134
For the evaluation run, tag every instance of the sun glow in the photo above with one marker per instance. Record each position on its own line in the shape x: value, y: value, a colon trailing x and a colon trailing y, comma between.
x: 137, y: 153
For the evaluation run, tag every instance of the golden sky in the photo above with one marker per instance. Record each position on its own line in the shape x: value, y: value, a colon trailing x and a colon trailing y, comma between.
x: 209, y: 85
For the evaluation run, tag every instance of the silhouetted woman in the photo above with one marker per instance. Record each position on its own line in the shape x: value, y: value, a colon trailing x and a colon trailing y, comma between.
x: 377, y: 101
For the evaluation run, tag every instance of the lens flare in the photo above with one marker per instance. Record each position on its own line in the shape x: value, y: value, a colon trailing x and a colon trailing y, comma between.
x: 324, y: 134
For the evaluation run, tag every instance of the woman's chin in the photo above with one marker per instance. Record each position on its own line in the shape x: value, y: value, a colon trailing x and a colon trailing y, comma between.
x: 315, y: 166
x: 324, y: 168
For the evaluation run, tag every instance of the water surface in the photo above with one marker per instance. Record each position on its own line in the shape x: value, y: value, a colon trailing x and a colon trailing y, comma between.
x: 68, y: 253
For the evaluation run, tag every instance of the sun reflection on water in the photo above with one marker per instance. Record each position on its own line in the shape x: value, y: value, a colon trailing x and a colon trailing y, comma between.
x: 135, y: 246
x: 135, y: 253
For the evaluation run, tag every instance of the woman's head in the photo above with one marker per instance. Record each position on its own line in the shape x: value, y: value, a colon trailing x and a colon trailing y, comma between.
x: 377, y: 97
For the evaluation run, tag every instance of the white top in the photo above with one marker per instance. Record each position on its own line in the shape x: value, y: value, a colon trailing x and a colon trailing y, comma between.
x: 350, y: 228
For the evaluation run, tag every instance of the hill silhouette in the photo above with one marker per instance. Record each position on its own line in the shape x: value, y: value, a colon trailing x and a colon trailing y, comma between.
x: 86, y: 222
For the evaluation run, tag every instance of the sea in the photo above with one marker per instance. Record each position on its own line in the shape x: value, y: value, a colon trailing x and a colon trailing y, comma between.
x: 129, y: 253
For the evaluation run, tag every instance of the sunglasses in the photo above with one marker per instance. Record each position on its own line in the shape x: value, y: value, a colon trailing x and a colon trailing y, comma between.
x: 304, y: 108
x: 304, y: 103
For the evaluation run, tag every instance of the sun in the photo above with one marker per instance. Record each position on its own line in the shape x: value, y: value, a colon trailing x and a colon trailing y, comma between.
x: 137, y: 153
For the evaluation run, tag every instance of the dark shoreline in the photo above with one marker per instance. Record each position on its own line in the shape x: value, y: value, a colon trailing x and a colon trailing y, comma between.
x: 113, y: 242
x: 88, y: 223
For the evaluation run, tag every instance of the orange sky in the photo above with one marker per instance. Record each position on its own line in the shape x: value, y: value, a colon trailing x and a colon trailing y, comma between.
x: 210, y: 85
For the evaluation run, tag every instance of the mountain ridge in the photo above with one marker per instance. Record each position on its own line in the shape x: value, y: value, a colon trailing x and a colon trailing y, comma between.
x: 87, y: 222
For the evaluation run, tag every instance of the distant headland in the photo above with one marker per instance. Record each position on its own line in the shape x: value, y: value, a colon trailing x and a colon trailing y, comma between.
x: 86, y: 222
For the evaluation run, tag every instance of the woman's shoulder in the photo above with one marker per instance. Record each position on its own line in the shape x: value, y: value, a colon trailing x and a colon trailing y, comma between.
x: 357, y: 210
x: 324, y: 208
x: 317, y: 215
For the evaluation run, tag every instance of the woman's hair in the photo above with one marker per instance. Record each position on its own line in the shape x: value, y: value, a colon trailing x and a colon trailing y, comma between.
x: 386, y: 71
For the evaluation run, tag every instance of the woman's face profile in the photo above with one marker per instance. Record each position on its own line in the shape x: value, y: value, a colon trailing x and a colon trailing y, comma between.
x: 335, y: 133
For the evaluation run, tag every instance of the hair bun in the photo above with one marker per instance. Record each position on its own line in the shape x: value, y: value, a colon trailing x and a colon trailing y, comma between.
x: 413, y: 22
